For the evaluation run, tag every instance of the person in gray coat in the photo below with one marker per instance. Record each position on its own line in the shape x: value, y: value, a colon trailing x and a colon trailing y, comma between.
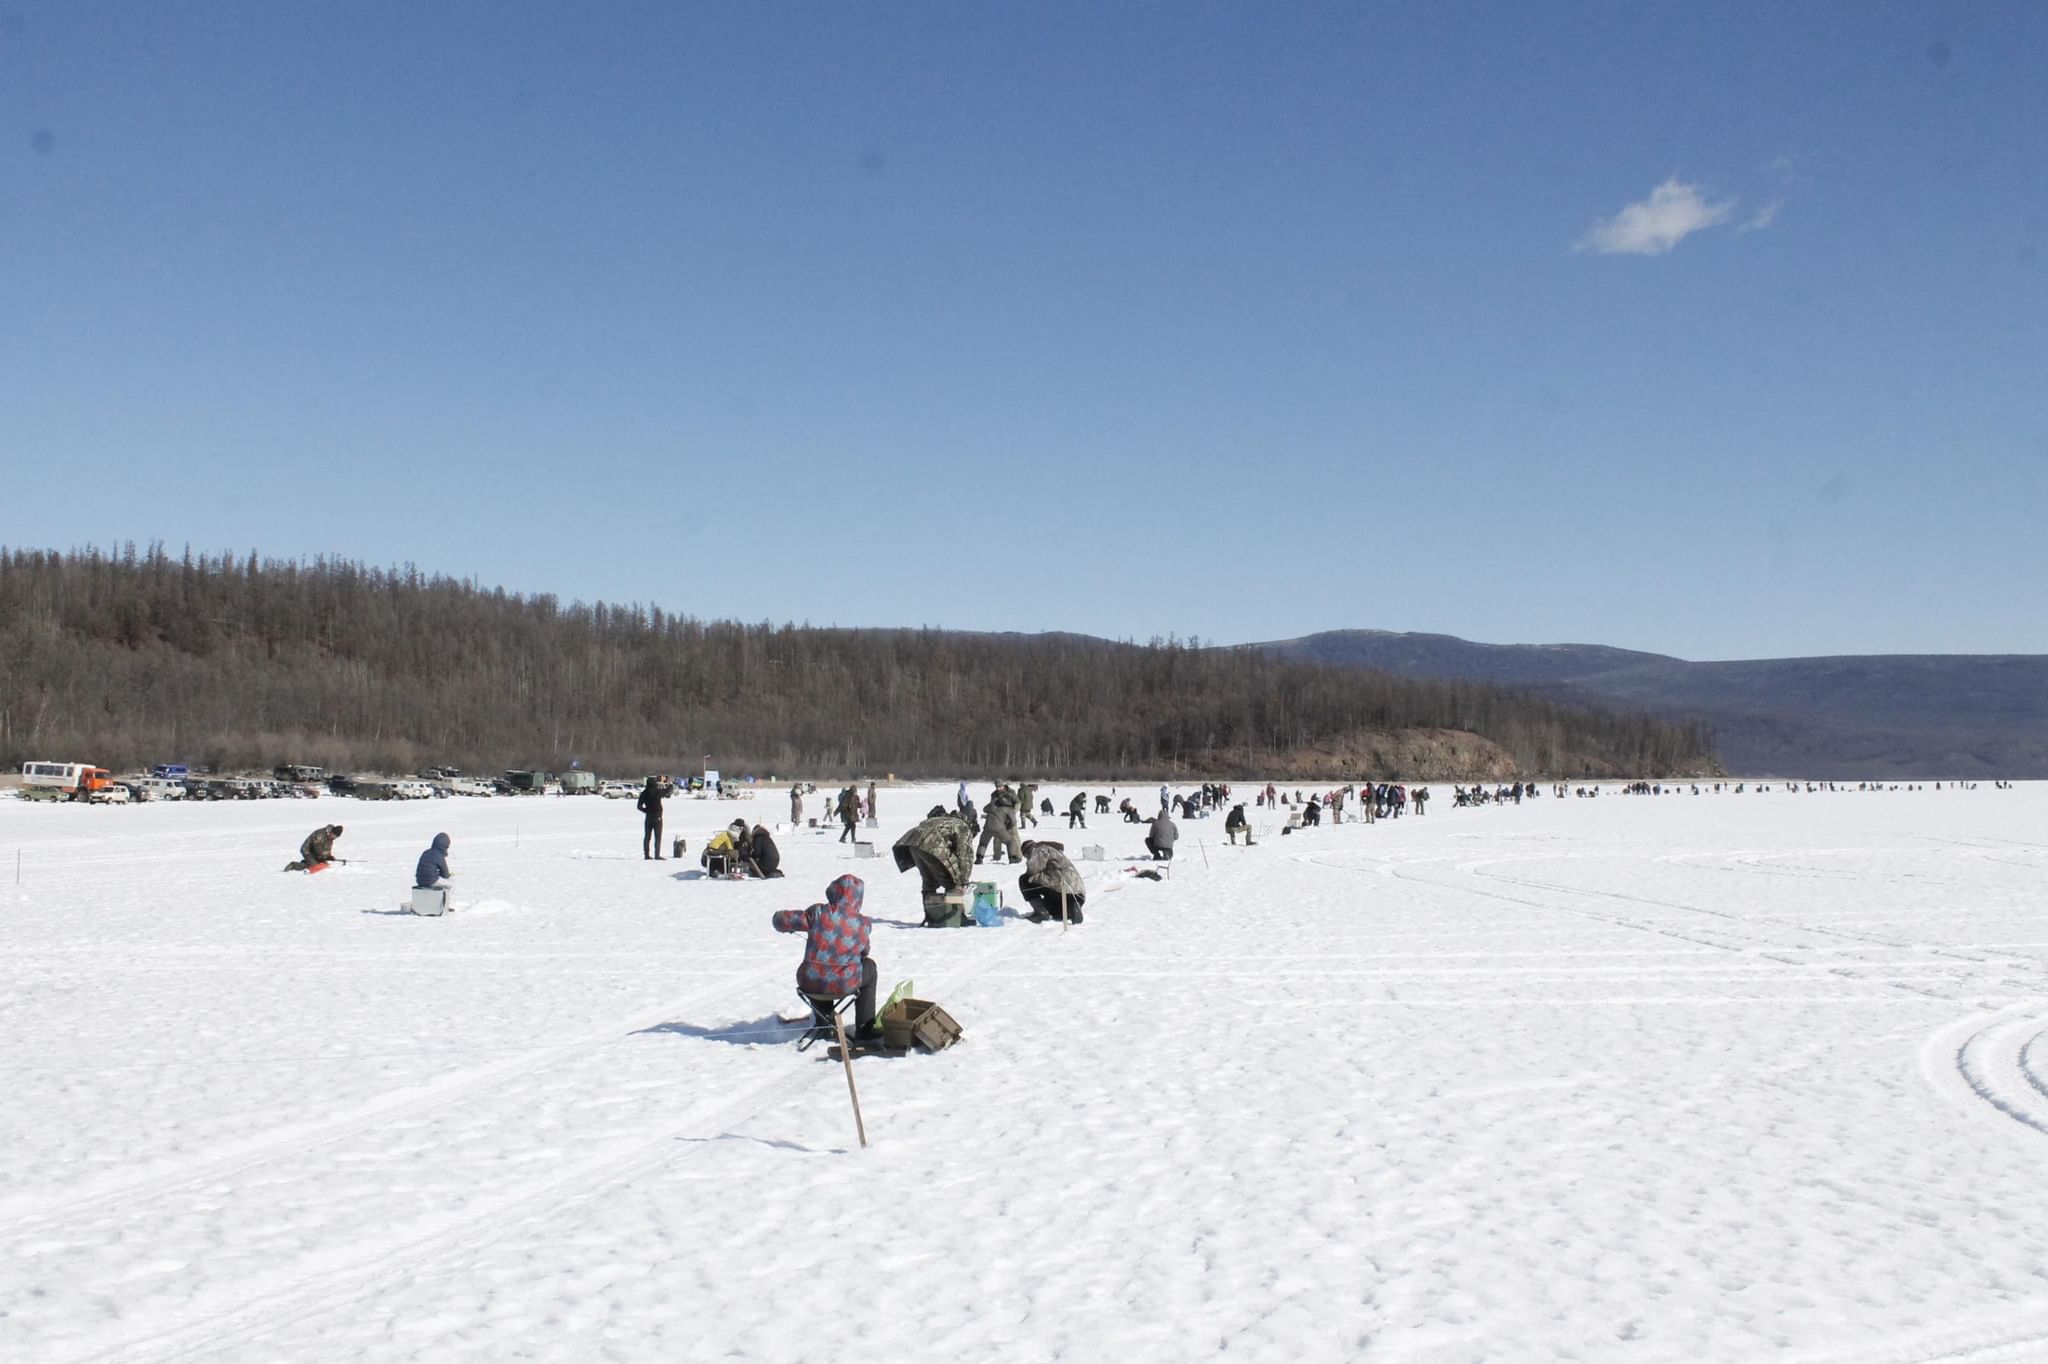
x: 999, y: 824
x: 1159, y: 842
x: 1051, y: 886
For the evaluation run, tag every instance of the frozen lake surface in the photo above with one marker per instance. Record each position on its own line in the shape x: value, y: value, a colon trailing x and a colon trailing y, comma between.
x: 1727, y: 1077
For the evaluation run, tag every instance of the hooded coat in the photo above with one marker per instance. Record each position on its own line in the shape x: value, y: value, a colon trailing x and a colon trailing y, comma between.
x: 836, y: 938
x: 433, y: 865
x: 766, y: 857
x: 1047, y: 868
x: 1163, y: 832
x: 946, y: 838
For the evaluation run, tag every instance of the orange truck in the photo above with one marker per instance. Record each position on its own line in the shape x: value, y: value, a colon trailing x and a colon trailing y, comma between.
x: 68, y: 781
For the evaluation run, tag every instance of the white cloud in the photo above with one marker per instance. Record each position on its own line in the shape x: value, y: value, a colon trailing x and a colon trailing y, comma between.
x: 1763, y: 217
x: 1652, y: 226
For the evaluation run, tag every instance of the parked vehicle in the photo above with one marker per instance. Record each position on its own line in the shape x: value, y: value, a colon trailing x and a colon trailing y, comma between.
x: 341, y: 785
x: 66, y: 781
x: 617, y: 790
x: 579, y: 783
x: 377, y: 790
x: 463, y: 786
x: 527, y: 783
x: 113, y: 793
x: 170, y: 771
x: 154, y: 788
x: 298, y: 772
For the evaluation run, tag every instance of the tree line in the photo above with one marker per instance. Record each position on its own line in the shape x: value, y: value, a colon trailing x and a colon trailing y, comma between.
x: 135, y: 656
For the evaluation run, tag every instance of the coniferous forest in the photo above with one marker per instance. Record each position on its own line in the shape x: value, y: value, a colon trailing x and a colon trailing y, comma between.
x: 136, y: 656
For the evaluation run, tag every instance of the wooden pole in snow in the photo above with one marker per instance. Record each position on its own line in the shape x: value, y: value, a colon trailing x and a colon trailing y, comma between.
x: 846, y: 1056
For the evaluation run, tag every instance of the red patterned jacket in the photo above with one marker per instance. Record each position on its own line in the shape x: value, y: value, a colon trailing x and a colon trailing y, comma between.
x: 837, y: 939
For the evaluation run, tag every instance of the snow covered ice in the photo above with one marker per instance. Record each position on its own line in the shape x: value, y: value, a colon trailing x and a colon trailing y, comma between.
x: 1733, y: 1077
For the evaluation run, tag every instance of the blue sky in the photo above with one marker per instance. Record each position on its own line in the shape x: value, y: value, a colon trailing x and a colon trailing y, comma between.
x: 1719, y: 330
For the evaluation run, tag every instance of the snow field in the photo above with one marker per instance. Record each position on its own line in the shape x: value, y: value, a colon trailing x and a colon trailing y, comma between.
x: 1715, y: 1078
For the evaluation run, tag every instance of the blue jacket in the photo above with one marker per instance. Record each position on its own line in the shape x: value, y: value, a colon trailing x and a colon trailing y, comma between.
x: 433, y: 863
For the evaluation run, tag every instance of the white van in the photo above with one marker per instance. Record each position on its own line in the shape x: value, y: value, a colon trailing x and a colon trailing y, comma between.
x: 414, y: 789
x: 158, y: 788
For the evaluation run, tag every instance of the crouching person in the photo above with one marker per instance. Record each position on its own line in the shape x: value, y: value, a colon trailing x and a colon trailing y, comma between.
x: 1160, y: 840
x: 1051, y: 886
x: 836, y: 962
x: 762, y: 854
x: 318, y: 849
x: 1237, y: 824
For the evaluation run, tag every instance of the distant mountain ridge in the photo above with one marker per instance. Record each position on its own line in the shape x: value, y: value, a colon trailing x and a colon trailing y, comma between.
x: 1850, y: 716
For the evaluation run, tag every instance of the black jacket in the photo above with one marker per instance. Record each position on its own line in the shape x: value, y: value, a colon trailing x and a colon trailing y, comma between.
x: 650, y: 801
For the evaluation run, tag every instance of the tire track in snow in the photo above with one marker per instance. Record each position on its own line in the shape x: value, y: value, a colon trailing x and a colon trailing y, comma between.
x: 392, y: 1106
x: 1987, y: 1064
x: 2023, y: 1344
x: 1846, y: 935
x: 358, y: 1272
x: 1720, y: 939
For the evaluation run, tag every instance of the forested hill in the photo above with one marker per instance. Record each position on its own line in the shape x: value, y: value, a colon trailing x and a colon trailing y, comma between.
x: 135, y: 657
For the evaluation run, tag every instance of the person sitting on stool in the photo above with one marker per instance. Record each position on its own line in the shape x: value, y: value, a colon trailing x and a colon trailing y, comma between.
x: 836, y: 961
x: 1237, y: 824
x: 432, y: 872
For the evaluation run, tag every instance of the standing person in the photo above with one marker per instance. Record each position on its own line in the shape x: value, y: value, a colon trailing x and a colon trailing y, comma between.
x: 874, y: 811
x: 963, y: 802
x: 1051, y: 886
x: 651, y: 797
x: 1077, y: 812
x: 999, y: 826
x: 836, y: 961
x: 1165, y: 798
x: 796, y: 805
x: 849, y: 815
x: 318, y: 849
x: 1160, y: 839
x: 1027, y: 792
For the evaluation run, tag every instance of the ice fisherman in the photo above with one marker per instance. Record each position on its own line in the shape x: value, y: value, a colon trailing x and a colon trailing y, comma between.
x: 1160, y: 840
x: 1235, y: 823
x: 1051, y: 886
x: 941, y: 847
x: 432, y: 873
x: 836, y: 961
x: 317, y: 850
x: 763, y: 854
